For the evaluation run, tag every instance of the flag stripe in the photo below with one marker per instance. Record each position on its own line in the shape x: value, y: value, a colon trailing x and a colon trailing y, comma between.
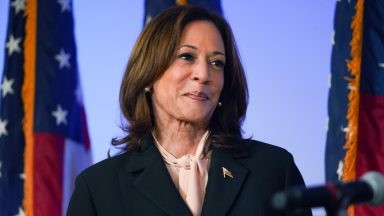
x: 76, y: 158
x: 370, y: 150
x: 28, y: 97
x: 87, y: 142
x: 48, y: 180
x: 371, y: 134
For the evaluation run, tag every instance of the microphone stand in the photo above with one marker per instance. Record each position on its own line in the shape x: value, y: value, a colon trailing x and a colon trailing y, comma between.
x: 340, y: 209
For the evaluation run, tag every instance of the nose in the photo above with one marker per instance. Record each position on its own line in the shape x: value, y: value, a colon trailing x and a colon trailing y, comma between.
x: 201, y: 72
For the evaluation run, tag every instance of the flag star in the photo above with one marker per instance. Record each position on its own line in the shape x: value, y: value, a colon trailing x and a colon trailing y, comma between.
x: 381, y: 65
x: 65, y: 5
x: 19, y: 5
x: 13, y: 45
x: 21, y: 212
x: 60, y: 115
x: 6, y: 86
x: 344, y: 129
x: 3, y: 127
x: 340, y: 170
x: 63, y: 59
x: 0, y: 168
x: 22, y: 176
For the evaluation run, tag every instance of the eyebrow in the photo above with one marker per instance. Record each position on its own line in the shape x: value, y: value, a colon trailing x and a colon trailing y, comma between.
x: 195, y: 48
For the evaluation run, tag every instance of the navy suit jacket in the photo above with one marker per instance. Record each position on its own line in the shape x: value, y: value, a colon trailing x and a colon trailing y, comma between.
x: 138, y: 183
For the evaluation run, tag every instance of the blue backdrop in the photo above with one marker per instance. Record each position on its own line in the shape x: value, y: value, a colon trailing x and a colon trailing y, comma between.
x: 285, y: 48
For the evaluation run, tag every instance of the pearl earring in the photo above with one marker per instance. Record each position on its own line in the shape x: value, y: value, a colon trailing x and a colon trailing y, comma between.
x: 147, y: 90
x: 219, y: 104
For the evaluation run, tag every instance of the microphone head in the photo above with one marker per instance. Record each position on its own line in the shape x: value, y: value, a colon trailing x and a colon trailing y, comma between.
x: 376, y: 181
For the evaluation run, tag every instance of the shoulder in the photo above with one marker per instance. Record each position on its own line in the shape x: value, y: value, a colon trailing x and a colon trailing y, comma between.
x: 267, y: 151
x: 266, y: 158
x: 256, y: 151
x: 271, y: 161
x: 131, y: 161
x: 106, y: 168
x: 98, y: 188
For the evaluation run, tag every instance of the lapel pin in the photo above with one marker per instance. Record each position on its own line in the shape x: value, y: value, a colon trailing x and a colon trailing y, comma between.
x: 227, y: 173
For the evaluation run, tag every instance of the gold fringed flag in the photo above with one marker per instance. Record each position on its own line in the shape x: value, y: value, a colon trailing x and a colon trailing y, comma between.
x: 355, y: 139
x: 44, y: 140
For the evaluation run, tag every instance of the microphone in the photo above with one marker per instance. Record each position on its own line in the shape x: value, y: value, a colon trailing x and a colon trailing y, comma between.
x: 369, y: 188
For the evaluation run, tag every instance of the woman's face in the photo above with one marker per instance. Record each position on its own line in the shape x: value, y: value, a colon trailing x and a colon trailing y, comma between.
x: 190, y: 88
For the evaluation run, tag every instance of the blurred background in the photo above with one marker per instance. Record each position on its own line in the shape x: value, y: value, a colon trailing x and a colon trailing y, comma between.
x: 285, y: 48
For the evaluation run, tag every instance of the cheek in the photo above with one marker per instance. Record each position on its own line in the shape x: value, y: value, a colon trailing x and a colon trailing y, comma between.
x: 173, y: 79
x: 164, y: 91
x: 219, y: 84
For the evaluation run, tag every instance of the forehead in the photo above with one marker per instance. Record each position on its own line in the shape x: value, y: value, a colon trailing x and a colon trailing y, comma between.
x: 204, y: 32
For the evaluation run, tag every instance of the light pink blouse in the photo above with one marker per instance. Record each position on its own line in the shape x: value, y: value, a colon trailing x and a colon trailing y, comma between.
x: 189, y: 173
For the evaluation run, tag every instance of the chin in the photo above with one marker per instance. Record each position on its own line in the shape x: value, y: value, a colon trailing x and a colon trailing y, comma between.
x: 197, y: 118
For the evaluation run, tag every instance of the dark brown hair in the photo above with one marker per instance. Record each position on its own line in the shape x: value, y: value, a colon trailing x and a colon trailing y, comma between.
x: 153, y: 53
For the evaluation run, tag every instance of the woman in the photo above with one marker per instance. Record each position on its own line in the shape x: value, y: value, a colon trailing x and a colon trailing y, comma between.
x: 184, y: 95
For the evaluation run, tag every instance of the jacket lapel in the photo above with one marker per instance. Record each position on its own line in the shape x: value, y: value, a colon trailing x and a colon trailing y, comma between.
x: 149, y: 174
x: 221, y: 190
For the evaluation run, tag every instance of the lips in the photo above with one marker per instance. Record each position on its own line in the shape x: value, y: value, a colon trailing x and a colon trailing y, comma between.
x: 200, y: 96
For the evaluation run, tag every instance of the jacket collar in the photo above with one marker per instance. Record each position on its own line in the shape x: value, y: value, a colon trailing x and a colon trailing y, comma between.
x: 149, y: 174
x: 221, y: 189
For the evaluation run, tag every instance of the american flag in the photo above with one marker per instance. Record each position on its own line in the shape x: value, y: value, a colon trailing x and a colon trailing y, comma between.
x: 154, y: 7
x: 355, y: 139
x: 44, y: 139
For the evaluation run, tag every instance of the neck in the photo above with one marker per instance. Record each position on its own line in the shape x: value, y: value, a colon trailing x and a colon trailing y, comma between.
x: 179, y: 138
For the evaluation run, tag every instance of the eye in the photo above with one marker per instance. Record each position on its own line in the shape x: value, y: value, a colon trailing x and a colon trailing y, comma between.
x: 186, y: 57
x: 217, y: 64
